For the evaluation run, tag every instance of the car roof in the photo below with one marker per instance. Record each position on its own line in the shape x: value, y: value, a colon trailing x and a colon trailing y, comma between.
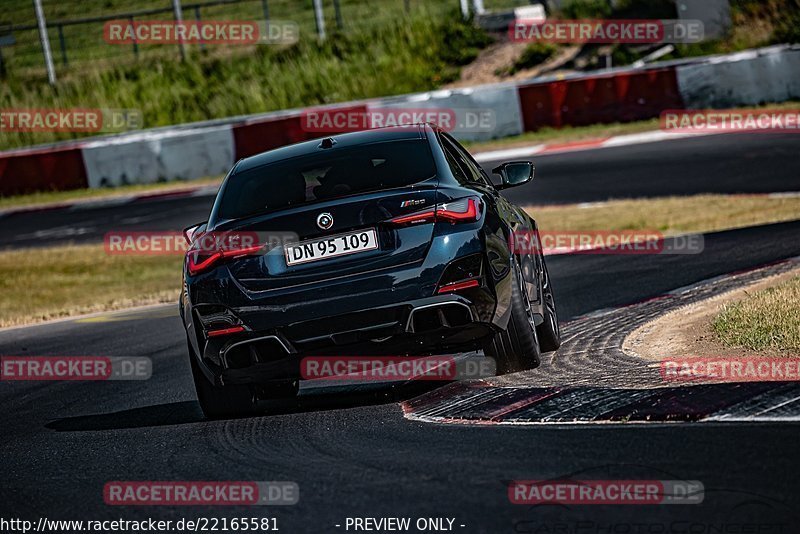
x: 314, y: 146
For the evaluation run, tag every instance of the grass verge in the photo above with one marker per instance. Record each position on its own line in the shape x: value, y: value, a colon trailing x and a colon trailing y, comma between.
x: 48, y: 283
x: 765, y: 320
x: 669, y: 215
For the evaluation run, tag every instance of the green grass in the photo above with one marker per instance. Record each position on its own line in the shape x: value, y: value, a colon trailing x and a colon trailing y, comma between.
x: 73, y: 280
x: 533, y: 55
x: 397, y: 53
x: 765, y: 320
x: 84, y: 42
x: 669, y: 215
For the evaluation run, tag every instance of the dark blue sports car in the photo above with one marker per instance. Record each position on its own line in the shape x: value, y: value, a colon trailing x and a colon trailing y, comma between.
x: 382, y: 242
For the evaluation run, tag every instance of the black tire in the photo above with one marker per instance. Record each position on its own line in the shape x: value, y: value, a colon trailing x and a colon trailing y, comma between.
x: 549, y: 332
x: 219, y: 402
x: 517, y: 347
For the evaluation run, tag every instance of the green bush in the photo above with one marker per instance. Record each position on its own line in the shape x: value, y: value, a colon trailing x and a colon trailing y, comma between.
x: 788, y: 29
x: 587, y: 9
x: 533, y: 55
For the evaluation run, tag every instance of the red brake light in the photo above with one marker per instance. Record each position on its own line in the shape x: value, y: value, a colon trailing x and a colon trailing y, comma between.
x: 415, y: 218
x: 464, y: 210
x: 458, y: 211
x: 226, y: 331
x: 457, y: 286
x: 196, y: 265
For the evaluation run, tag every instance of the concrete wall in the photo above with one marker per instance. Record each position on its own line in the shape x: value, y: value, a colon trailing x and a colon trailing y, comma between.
x: 153, y: 157
x: 480, y: 113
x: 747, y: 78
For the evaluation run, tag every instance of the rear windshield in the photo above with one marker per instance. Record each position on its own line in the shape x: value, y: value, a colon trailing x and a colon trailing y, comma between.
x: 326, y: 175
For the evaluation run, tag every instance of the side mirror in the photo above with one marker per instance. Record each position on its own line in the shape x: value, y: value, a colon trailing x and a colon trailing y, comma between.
x: 514, y: 173
x: 194, y: 230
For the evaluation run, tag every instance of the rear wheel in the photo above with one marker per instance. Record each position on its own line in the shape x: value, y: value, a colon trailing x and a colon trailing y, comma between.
x: 549, y: 332
x: 220, y: 401
x: 517, y: 347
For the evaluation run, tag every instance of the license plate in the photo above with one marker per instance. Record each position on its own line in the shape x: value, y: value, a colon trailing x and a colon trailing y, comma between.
x: 331, y: 247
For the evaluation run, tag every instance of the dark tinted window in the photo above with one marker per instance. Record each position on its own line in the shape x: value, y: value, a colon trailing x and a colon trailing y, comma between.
x: 469, y: 167
x: 452, y: 161
x: 325, y: 175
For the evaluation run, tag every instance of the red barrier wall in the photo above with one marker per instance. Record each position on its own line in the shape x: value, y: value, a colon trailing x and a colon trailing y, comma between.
x: 620, y: 97
x: 252, y: 138
x: 42, y: 170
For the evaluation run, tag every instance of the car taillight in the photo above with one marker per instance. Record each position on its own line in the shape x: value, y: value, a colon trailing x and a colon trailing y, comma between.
x: 463, y: 273
x: 458, y: 211
x: 203, y: 260
x: 226, y: 331
x: 458, y: 286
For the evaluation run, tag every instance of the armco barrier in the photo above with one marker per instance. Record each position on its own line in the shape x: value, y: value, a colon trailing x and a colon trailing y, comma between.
x: 149, y: 157
x: 615, y: 97
x: 748, y: 78
x: 500, y: 103
x: 47, y: 169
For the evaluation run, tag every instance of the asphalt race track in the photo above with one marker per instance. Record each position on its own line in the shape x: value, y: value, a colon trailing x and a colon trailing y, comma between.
x: 353, y: 453
x: 734, y: 163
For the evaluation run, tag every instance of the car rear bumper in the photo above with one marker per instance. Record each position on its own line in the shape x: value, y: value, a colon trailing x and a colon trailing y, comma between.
x: 394, y: 311
x: 433, y: 325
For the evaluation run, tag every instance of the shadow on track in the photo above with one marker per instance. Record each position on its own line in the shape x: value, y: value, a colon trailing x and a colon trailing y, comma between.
x: 187, y: 412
